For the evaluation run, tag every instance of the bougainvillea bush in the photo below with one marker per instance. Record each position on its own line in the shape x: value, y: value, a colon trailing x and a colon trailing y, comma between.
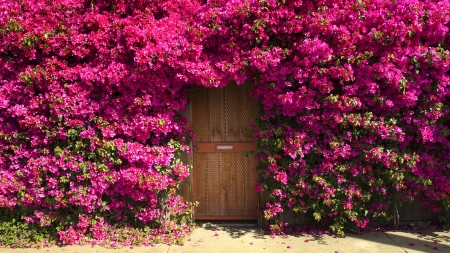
x: 89, y: 126
x: 355, y: 107
x: 354, y: 100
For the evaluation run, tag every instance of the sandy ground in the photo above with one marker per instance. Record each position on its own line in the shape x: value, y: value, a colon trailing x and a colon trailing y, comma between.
x: 236, y: 239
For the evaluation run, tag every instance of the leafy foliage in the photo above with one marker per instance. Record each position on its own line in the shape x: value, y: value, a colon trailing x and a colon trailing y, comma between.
x: 354, y: 108
x: 90, y: 132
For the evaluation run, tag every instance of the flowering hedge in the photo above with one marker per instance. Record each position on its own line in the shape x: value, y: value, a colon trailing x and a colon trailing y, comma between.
x: 89, y: 99
x: 354, y: 101
x: 354, y: 107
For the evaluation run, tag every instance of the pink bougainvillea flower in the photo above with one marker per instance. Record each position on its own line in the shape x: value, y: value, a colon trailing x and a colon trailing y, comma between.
x: 216, y: 234
x: 289, y: 247
x: 354, y: 97
x: 412, y: 244
x: 306, y: 240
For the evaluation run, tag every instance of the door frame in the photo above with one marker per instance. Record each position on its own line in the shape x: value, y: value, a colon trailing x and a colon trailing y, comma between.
x: 207, y: 147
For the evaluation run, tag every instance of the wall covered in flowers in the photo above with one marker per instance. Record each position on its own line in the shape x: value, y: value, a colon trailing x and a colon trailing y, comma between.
x: 354, y: 117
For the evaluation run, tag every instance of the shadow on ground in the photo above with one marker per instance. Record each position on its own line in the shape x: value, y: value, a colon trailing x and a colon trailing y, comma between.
x: 239, y: 229
x: 410, y: 240
x: 405, y: 241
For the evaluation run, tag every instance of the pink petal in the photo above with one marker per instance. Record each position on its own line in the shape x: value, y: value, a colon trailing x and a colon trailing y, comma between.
x: 282, y: 243
x: 436, y: 248
x: 412, y: 244
x: 251, y: 243
x: 216, y: 234
x: 306, y: 240
x: 200, y: 240
x: 289, y: 247
x: 435, y: 242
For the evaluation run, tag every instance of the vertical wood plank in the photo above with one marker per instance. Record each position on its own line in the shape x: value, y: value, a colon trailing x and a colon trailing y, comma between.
x: 225, y: 183
x: 239, y: 175
x: 250, y: 180
x: 201, y: 163
x: 233, y: 112
x: 201, y: 114
x: 214, y: 188
x: 216, y: 115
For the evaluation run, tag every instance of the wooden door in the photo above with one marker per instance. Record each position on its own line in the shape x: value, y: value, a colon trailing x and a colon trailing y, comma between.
x: 224, y: 163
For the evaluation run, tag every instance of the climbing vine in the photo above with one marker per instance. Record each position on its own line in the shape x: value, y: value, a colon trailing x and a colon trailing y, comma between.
x: 354, y: 109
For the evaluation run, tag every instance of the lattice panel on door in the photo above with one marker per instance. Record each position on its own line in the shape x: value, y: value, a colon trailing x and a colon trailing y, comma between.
x: 228, y: 181
x: 223, y: 115
x: 201, y: 124
x: 240, y: 112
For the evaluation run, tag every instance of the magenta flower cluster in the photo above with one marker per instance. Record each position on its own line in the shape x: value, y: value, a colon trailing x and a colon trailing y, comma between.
x: 90, y: 131
x: 354, y: 106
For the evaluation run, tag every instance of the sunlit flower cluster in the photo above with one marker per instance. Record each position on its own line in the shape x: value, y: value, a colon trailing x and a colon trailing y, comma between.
x: 354, y: 102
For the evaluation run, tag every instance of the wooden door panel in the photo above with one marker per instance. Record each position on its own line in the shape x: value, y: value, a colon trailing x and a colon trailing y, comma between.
x: 224, y: 169
x: 225, y: 193
x: 223, y: 115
